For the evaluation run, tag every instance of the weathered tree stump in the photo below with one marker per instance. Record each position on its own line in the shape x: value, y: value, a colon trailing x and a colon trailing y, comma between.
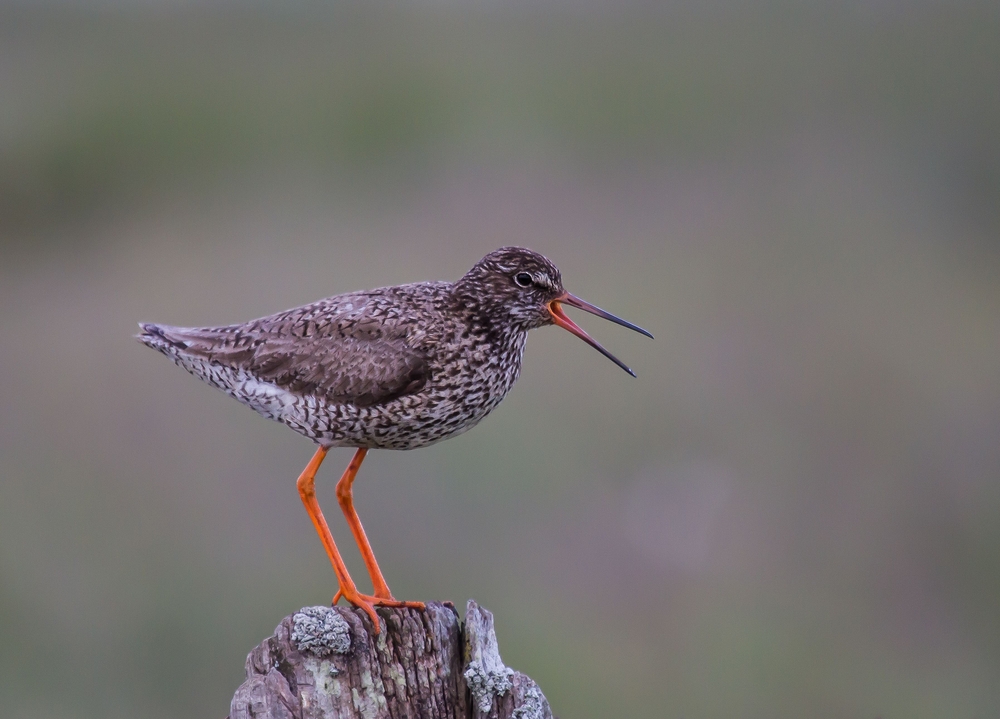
x: 327, y: 663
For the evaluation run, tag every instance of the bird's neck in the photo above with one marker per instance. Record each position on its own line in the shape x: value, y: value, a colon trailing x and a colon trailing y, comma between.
x: 489, y: 321
x: 490, y: 333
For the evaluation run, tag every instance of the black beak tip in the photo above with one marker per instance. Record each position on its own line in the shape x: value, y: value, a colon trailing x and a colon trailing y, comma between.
x: 630, y: 372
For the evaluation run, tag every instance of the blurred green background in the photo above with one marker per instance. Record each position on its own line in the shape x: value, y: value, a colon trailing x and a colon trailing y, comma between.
x: 794, y: 511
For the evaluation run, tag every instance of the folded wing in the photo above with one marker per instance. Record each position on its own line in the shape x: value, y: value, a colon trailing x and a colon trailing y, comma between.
x: 342, y: 349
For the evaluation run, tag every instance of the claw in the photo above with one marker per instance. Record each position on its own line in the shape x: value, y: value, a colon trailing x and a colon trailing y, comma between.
x: 370, y: 611
x: 368, y: 603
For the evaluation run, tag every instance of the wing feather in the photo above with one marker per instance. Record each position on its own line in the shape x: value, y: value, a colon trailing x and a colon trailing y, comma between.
x: 346, y: 349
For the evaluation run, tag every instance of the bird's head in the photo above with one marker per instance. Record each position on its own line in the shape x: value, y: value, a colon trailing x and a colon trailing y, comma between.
x: 515, y: 285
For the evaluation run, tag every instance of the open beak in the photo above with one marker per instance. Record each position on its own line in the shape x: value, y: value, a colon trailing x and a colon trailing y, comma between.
x: 560, y: 318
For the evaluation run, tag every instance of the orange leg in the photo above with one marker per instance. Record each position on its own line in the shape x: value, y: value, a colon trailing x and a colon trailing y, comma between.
x: 346, y: 498
x: 347, y: 589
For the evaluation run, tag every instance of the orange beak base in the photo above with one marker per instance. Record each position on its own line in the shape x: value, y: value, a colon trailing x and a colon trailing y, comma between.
x: 560, y: 318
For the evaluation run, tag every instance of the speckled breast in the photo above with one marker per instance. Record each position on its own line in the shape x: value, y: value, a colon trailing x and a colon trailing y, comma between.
x: 470, y: 378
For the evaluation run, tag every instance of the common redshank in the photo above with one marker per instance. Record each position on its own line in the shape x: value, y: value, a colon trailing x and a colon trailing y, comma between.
x: 391, y: 368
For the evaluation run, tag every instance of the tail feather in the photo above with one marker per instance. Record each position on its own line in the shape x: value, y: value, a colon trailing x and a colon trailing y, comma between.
x: 160, y: 337
x: 213, y: 343
x: 192, y: 349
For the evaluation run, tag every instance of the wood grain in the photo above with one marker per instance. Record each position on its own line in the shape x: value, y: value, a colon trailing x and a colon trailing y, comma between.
x: 327, y: 663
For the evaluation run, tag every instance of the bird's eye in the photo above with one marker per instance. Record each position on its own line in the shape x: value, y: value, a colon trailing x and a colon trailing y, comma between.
x: 522, y: 279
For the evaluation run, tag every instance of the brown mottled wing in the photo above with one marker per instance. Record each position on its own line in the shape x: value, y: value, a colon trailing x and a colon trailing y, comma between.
x: 363, y: 365
x: 347, y: 349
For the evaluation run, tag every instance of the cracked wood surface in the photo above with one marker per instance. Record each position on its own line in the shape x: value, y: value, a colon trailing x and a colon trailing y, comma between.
x: 327, y: 663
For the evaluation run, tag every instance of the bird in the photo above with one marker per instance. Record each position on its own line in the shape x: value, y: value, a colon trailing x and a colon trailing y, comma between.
x: 397, y: 367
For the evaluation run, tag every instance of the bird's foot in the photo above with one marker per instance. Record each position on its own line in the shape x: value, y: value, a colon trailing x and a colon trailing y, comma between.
x: 369, y: 602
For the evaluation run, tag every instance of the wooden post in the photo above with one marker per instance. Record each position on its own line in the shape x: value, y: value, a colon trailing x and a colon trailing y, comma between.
x: 326, y: 663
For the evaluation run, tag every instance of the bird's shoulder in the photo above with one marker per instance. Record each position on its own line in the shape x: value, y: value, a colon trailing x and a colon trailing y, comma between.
x: 404, y: 312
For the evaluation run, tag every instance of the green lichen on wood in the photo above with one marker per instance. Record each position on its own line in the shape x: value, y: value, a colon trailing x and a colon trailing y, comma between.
x: 320, y: 630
